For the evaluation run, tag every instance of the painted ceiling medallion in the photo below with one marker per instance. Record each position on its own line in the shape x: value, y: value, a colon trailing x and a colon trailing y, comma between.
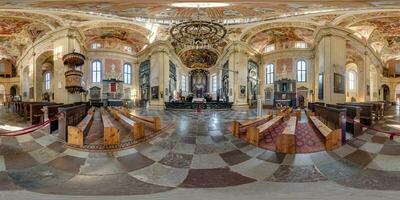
x: 200, y: 4
x: 199, y: 58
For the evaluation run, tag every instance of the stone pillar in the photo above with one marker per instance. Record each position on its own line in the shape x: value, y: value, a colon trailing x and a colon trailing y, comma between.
x: 332, y: 60
x: 159, y: 75
x: 68, y: 41
x: 37, y: 79
x: 238, y: 61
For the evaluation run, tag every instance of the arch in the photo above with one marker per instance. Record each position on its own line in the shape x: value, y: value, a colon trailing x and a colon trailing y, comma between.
x: 397, y: 93
x: 385, y: 92
x: 14, y: 90
x: 2, y: 94
x: 351, y: 82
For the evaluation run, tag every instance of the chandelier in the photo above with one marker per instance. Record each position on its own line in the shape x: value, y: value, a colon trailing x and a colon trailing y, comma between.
x: 198, y: 34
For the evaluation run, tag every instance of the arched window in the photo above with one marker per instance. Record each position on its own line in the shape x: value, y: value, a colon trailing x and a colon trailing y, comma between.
x: 96, y: 71
x: 127, y: 73
x: 47, y: 80
x: 301, y: 67
x: 270, y: 73
x: 352, y: 80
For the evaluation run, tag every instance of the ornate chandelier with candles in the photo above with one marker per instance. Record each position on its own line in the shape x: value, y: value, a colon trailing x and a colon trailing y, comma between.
x: 198, y: 33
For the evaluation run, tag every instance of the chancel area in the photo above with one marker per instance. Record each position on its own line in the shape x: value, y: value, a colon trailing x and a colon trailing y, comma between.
x: 207, y: 100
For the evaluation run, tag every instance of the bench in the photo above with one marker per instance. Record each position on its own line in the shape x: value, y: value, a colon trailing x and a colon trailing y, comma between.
x: 70, y: 116
x: 332, y: 138
x: 153, y: 122
x: 238, y: 127
x: 286, y: 142
x: 111, y: 133
x: 285, y: 113
x: 366, y: 113
x: 76, y: 134
x: 137, y: 128
x: 255, y: 134
x: 353, y: 113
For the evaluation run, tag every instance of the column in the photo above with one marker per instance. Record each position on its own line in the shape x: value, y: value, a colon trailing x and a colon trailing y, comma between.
x: 159, y: 75
x: 238, y: 64
x: 332, y: 60
x: 68, y: 41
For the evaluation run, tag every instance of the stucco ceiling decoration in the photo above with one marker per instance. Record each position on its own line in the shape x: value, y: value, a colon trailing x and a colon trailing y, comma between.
x: 384, y: 33
x: 163, y: 9
x: 199, y: 58
x: 18, y: 33
x: 113, y: 35
x: 281, y: 35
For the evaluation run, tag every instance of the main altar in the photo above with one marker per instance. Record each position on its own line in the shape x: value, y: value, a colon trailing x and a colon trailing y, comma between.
x: 113, y: 90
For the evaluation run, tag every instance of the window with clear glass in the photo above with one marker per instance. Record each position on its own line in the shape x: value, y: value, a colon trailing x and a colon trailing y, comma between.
x: 47, y: 80
x: 127, y: 73
x: 301, y: 45
x: 96, y: 45
x: 270, y: 73
x: 301, y: 67
x: 214, y: 83
x: 270, y: 48
x: 128, y: 49
x: 352, y: 80
x: 96, y: 71
x: 183, y: 83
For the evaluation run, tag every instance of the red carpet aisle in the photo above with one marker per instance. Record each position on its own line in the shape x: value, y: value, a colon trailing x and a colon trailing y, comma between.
x: 307, y: 140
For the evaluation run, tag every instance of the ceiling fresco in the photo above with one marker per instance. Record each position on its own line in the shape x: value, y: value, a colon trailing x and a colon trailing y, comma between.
x: 281, y: 35
x: 116, y: 23
x: 18, y: 33
x: 382, y: 30
x: 199, y: 58
x: 113, y: 36
x: 162, y: 9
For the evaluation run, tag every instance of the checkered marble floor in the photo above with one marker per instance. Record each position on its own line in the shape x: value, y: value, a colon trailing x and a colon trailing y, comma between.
x: 199, y: 152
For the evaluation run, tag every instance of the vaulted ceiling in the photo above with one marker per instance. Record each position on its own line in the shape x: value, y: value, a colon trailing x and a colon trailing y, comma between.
x: 257, y: 22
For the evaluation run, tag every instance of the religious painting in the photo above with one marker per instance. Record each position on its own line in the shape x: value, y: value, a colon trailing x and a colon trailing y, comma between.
x: 94, y: 93
x: 154, y: 92
x: 113, y: 87
x: 242, y: 91
x: 268, y: 93
x: 338, y: 83
x: 368, y: 90
x: 321, y: 86
x: 199, y: 58
x: 199, y: 79
x: 31, y: 92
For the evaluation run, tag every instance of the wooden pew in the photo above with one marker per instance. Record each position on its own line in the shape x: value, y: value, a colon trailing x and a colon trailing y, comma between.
x: 70, y: 116
x: 366, y: 113
x: 35, y: 111
x: 332, y: 138
x: 286, y: 142
x: 311, y: 105
x: 238, y: 127
x: 255, y: 134
x: 353, y: 113
x: 137, y: 128
x: 111, y: 133
x: 76, y: 134
x: 153, y: 122
x: 285, y: 113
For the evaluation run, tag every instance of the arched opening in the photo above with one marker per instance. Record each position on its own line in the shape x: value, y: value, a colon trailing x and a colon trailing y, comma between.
x: 397, y: 94
x: 2, y: 94
x: 351, y: 82
x: 385, y: 92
